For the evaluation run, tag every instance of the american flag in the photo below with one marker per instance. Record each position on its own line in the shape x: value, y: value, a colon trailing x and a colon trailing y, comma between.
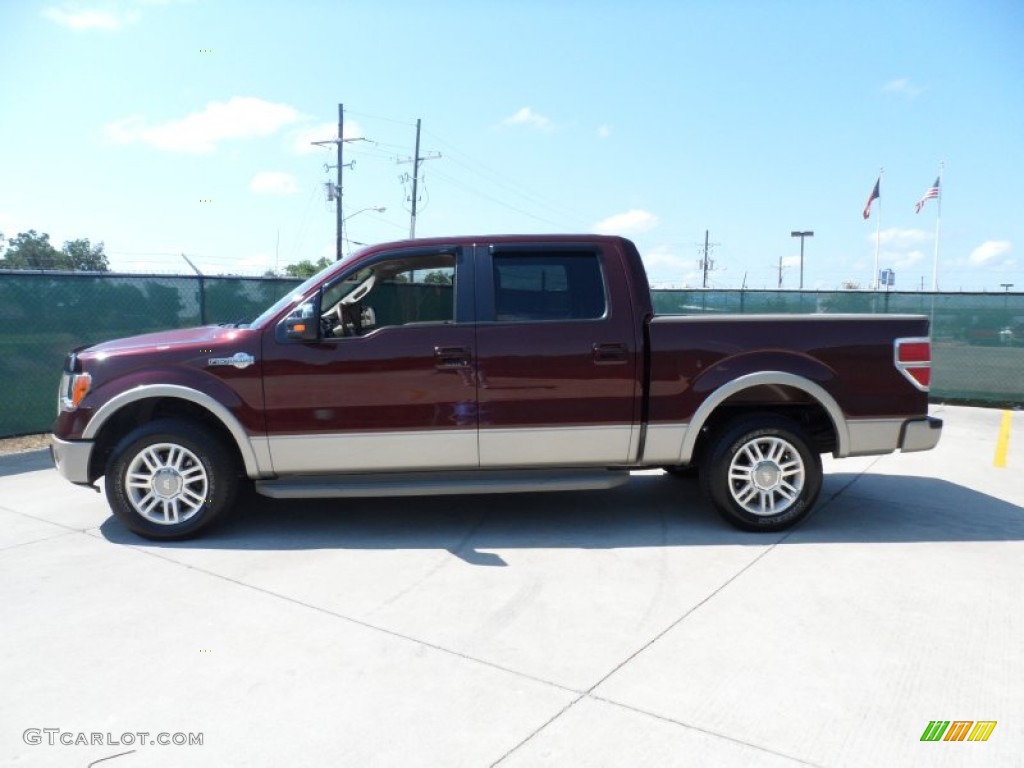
x: 875, y: 194
x: 933, y: 191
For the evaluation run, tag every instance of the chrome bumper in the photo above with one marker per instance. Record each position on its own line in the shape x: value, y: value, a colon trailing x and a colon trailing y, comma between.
x: 71, y: 458
x: 921, y: 434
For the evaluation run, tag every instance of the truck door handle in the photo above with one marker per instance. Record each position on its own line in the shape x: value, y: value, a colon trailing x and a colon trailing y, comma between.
x: 452, y: 357
x: 610, y: 354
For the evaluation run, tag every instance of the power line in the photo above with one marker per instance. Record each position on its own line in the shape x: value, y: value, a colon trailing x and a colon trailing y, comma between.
x: 497, y: 178
x: 484, y: 195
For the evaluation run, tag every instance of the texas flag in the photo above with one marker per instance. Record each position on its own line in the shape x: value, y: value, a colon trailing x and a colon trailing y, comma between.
x: 875, y: 194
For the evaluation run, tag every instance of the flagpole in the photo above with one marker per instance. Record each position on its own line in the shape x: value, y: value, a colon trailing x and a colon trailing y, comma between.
x: 878, y: 225
x: 938, y: 223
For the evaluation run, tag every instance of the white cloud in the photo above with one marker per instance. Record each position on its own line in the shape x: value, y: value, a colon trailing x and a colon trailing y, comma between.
x: 667, y: 269
x: 904, y: 260
x: 604, y: 132
x: 900, y: 248
x: 898, y: 238
x: 902, y: 86
x: 301, y: 139
x: 273, y: 183
x: 789, y: 262
x: 526, y: 116
x: 75, y: 17
x: 199, y: 133
x: 989, y: 250
x: 102, y: 15
x: 631, y: 222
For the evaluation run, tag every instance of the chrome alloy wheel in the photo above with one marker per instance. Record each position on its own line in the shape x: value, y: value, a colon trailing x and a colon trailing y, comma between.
x: 766, y: 476
x: 166, y: 484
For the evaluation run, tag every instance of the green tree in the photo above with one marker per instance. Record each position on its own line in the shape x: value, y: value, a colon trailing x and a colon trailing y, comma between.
x: 307, y: 268
x: 31, y: 250
x: 437, y: 277
x: 83, y: 255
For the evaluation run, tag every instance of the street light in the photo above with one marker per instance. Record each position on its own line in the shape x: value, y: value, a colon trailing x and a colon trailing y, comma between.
x: 801, y: 235
x: 1006, y: 287
x: 376, y: 209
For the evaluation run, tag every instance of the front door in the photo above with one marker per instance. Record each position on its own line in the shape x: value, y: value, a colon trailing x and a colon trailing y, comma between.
x: 391, y: 383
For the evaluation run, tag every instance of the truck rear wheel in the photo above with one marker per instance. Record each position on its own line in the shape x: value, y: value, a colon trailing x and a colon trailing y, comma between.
x: 762, y: 473
x: 170, y: 479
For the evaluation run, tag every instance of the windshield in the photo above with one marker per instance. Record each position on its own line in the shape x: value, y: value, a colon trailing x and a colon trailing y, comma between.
x: 292, y: 297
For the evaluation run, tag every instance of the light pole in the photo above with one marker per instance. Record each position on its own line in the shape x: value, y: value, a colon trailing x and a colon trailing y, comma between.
x: 801, y: 235
x: 375, y: 209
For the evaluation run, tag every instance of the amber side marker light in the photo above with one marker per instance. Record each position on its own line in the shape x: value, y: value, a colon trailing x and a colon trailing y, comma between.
x: 80, y: 388
x: 77, y: 388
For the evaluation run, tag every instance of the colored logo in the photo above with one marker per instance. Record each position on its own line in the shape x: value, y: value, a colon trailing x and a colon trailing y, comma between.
x: 958, y: 730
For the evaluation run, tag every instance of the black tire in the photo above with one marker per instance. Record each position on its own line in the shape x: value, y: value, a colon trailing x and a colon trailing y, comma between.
x: 185, y: 479
x: 782, y: 494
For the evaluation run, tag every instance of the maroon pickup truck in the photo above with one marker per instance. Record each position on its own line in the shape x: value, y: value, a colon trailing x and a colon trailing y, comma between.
x: 486, y: 364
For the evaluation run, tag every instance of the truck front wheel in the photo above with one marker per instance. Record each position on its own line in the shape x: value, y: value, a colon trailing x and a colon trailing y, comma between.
x: 170, y: 479
x: 762, y: 473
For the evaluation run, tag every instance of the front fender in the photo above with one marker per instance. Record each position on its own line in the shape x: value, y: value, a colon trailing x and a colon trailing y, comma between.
x: 205, y: 391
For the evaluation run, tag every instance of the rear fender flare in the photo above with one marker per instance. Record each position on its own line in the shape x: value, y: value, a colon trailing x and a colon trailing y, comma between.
x: 723, y: 393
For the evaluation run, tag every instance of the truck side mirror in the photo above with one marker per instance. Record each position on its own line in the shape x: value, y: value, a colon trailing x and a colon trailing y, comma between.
x: 303, y: 323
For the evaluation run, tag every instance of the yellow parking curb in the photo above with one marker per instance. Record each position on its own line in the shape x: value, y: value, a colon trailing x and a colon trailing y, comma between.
x: 1003, y: 443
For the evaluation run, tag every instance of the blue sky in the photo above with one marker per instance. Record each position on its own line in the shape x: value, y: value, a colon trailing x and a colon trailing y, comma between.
x: 656, y: 120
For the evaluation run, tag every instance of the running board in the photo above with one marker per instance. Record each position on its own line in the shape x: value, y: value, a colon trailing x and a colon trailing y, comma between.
x: 441, y: 483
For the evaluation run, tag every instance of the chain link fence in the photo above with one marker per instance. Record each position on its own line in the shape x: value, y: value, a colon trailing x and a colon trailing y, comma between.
x: 977, y: 338
x: 978, y: 350
x: 43, y: 315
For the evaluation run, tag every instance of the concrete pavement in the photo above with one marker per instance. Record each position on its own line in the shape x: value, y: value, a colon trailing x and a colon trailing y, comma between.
x: 625, y: 627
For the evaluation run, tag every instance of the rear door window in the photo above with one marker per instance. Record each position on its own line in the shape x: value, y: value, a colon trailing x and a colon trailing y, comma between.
x: 548, y: 286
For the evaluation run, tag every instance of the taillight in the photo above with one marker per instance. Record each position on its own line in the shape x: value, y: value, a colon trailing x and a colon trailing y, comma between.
x: 914, y: 360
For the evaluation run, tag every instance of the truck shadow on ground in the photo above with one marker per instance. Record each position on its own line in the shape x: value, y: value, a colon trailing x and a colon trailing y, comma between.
x: 650, y: 511
x: 28, y: 461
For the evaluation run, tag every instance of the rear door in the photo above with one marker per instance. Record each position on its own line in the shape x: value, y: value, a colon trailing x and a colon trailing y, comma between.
x: 559, y: 363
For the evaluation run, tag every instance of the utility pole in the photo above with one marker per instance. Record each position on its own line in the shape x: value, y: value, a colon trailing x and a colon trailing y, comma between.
x: 706, y: 263
x: 416, y: 160
x: 801, y: 235
x: 415, y: 182
x: 336, y: 193
x: 340, y: 219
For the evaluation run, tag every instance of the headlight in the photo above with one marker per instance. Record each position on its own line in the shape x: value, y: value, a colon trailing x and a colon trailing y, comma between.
x: 73, y: 387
